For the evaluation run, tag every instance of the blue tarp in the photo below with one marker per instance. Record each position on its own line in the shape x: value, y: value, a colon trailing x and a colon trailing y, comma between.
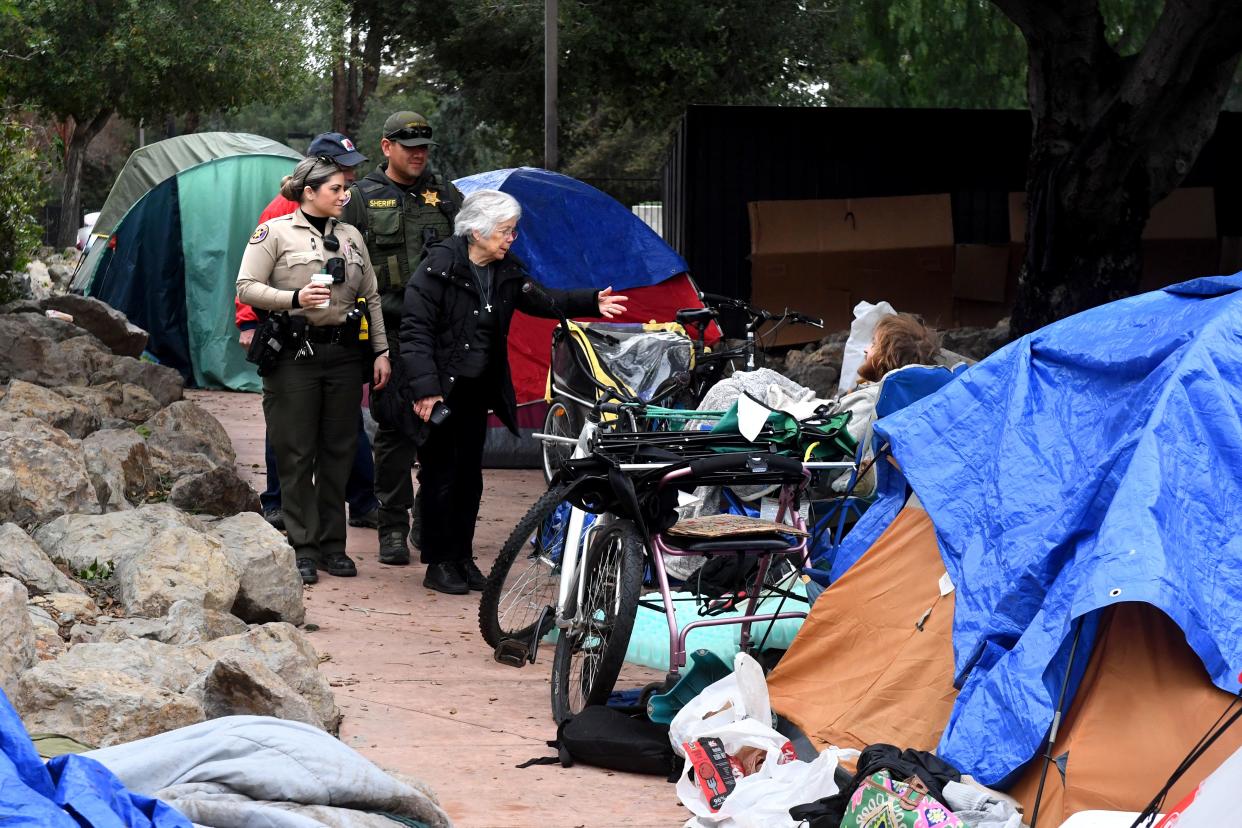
x: 612, y: 247
x: 1096, y: 461
x: 69, y: 791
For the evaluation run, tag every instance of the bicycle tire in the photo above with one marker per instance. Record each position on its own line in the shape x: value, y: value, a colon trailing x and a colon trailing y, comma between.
x: 614, y: 580
x: 563, y: 421
x: 509, y: 608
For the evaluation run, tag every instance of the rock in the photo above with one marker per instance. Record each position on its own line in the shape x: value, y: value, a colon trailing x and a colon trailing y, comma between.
x: 48, y: 641
x: 192, y: 623
x: 220, y: 491
x: 57, y: 330
x: 97, y: 705
x: 165, y: 384
x: 240, y: 684
x: 44, y: 359
x: 36, y: 280
x: 153, y: 662
x: 17, y: 644
x: 26, y: 400
x: 120, y: 467
x: 42, y: 475
x: 115, y: 401
x: 819, y: 370
x: 109, y: 325
x: 976, y: 343
x: 289, y: 654
x: 270, y: 588
x: 21, y: 306
x: 25, y: 560
x: 186, y: 427
x: 67, y: 608
x: 61, y: 276
x: 108, y: 630
x: 80, y: 540
x: 178, y: 563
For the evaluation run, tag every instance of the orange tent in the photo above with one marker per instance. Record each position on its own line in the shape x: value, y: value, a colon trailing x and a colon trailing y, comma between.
x: 874, y: 663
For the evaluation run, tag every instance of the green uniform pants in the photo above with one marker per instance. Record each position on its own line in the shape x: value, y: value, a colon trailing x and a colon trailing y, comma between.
x: 394, y: 452
x: 311, y: 408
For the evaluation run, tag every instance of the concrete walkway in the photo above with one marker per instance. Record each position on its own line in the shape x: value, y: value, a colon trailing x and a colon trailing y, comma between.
x: 420, y: 691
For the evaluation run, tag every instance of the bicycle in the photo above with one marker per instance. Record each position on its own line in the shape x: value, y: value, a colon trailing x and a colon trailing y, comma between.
x: 523, y: 578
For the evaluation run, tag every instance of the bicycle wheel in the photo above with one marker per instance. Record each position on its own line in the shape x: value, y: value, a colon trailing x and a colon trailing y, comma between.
x: 561, y: 421
x: 589, y: 655
x: 524, y: 578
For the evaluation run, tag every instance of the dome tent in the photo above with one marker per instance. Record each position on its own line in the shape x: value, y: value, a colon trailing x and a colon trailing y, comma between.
x: 176, y: 223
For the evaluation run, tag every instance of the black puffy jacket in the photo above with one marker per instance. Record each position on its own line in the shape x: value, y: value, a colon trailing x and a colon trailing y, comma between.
x: 442, y: 307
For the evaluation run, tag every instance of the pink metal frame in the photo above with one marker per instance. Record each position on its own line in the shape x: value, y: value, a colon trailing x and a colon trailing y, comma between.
x: 660, y: 548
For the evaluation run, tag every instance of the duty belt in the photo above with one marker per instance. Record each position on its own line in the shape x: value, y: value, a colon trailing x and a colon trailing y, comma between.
x: 325, y: 334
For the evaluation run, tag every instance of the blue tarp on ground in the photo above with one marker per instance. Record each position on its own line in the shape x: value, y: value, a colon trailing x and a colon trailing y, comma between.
x: 1096, y: 461
x: 612, y: 246
x: 70, y: 791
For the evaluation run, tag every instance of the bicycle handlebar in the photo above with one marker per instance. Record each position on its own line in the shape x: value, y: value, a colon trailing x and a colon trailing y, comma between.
x: 758, y: 315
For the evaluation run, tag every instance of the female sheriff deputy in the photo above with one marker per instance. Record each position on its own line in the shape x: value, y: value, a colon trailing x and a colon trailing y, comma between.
x: 312, y: 393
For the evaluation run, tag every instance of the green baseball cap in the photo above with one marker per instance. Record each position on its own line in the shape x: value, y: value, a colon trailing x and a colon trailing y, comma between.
x: 409, y: 129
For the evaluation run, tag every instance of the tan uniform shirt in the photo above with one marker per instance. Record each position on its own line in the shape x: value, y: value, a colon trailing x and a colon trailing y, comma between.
x: 283, y: 255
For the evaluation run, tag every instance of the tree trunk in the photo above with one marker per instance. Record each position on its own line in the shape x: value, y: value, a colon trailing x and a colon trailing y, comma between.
x: 75, y: 158
x: 340, y: 92
x: 1112, y: 136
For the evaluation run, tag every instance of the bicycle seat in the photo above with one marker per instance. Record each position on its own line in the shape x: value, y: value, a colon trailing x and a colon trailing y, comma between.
x: 695, y: 316
x: 719, y: 533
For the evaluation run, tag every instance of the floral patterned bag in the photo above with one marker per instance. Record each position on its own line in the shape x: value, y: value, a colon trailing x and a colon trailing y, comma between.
x: 883, y: 802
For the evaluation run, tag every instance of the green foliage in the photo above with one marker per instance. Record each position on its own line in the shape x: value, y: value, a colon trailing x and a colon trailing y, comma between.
x: 20, y: 186
x: 155, y: 57
x: 97, y: 571
x: 956, y: 53
x: 627, y: 71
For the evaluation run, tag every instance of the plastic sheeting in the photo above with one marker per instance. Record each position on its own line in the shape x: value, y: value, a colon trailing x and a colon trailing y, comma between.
x: 1096, y: 461
x: 70, y: 791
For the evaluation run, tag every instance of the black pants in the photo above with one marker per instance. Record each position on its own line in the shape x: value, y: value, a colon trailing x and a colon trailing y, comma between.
x: 450, y: 478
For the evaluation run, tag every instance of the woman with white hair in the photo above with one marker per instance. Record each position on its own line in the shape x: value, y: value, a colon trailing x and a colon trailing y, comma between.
x: 454, y: 332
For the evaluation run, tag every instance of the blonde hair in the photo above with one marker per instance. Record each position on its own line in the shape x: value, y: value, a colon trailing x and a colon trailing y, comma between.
x: 899, y: 340
x: 310, y: 172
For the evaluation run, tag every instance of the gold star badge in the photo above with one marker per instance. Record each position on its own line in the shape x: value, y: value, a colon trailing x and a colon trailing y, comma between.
x: 431, y: 198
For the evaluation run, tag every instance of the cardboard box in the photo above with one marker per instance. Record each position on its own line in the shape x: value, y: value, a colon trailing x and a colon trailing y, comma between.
x: 980, y: 272
x: 823, y: 257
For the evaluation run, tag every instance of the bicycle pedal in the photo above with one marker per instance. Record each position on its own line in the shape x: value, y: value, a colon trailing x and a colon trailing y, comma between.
x: 511, y: 652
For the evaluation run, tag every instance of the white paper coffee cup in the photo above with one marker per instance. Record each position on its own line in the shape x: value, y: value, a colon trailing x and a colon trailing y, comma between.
x: 324, y: 279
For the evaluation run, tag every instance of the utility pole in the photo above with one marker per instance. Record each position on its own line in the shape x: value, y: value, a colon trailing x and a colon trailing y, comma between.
x: 550, y: 55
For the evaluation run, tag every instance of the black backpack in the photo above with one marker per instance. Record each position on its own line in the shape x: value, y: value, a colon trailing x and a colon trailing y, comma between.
x: 617, y: 739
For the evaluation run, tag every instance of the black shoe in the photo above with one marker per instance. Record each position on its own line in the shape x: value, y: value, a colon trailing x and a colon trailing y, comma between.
x: 393, y: 550
x: 444, y: 577
x: 306, y: 568
x: 366, y: 520
x: 416, y: 534
x: 470, y: 573
x: 275, y: 518
x: 340, y: 565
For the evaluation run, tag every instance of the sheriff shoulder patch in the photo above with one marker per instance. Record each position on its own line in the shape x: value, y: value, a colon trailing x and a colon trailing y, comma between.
x: 382, y: 202
x: 259, y: 234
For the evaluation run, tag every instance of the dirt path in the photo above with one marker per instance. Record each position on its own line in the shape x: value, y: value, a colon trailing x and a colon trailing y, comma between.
x: 420, y: 691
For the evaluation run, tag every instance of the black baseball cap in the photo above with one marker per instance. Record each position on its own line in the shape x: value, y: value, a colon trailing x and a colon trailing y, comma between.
x: 339, y: 148
x: 409, y: 129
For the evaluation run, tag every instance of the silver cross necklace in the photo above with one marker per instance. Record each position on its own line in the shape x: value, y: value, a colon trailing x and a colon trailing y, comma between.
x: 483, y: 283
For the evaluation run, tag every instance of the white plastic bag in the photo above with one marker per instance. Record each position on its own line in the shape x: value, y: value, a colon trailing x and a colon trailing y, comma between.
x: 743, y: 694
x: 763, y: 800
x: 729, y: 726
x: 866, y: 315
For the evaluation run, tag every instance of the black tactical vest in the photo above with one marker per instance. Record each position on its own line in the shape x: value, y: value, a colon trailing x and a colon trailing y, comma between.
x: 400, y: 225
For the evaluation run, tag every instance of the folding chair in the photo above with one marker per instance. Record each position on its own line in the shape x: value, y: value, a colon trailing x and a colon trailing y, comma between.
x: 898, y: 389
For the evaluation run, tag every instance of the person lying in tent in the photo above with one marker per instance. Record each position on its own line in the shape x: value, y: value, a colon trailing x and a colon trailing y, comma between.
x: 899, y: 340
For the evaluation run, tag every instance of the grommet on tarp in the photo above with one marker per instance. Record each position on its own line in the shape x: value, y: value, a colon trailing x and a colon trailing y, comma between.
x: 1113, y: 593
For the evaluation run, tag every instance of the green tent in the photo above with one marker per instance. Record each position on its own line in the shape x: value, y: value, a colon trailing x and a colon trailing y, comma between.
x: 169, y: 241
